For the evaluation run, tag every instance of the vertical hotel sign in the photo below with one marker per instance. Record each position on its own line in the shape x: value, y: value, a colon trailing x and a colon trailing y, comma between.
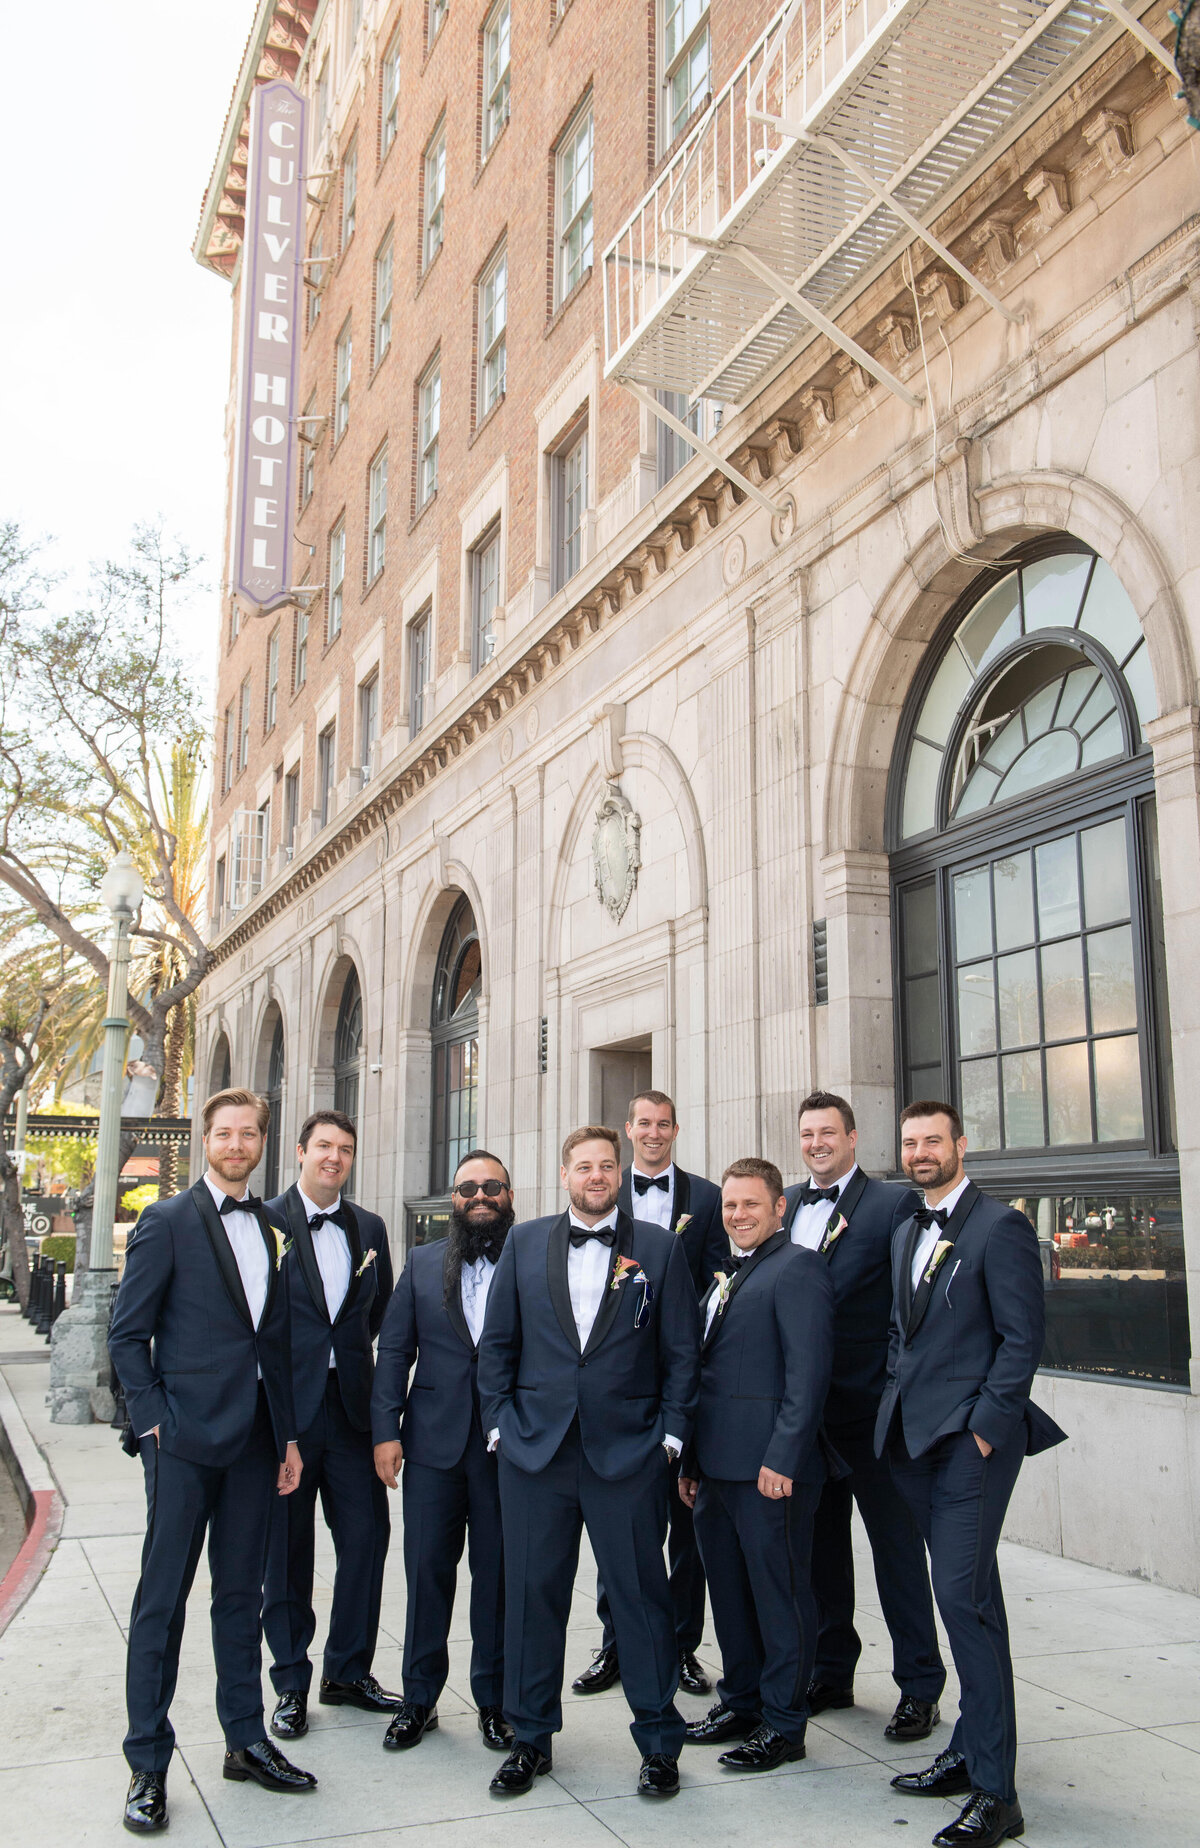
x: 272, y: 291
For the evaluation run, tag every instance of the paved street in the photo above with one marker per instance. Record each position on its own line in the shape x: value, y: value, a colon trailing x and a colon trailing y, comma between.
x: 1108, y: 1696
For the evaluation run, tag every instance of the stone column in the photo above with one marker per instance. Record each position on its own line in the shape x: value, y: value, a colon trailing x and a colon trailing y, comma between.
x: 861, y: 1061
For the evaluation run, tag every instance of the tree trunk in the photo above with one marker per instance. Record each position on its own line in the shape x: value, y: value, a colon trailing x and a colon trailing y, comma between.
x: 14, y: 1227
x: 171, y: 1097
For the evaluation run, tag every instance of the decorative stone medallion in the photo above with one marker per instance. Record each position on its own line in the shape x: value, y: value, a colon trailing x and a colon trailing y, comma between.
x: 783, y: 523
x: 734, y: 561
x: 531, y: 724
x: 506, y: 745
x: 616, y: 852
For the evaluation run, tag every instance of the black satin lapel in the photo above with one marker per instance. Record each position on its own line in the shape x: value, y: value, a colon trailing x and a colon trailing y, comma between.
x: 610, y: 1302
x: 625, y: 1193
x: 454, y: 1308
x: 848, y: 1200
x: 683, y: 1196
x: 710, y: 1331
x: 274, y: 1259
x: 906, y: 1264
x: 354, y: 1238
x: 924, y: 1291
x: 776, y: 1242
x: 557, y: 1246
x: 306, y: 1256
x: 222, y: 1250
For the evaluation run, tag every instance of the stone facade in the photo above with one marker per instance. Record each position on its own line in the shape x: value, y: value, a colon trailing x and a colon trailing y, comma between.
x: 740, y: 678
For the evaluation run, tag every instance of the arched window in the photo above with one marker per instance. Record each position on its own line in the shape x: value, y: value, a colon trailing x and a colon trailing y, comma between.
x: 274, y: 1097
x: 1029, y: 986
x: 455, y: 1034
x: 347, y: 1049
x: 221, y: 1067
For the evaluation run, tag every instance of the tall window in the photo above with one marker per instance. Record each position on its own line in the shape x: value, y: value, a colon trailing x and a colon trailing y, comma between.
x: 274, y: 1097
x: 493, y: 329
x: 455, y: 1033
x: 308, y: 451
x: 377, y: 537
x: 485, y: 594
x: 273, y: 678
x: 434, y: 196
x: 345, y: 357
x: 368, y: 722
x: 349, y: 193
x: 438, y: 10
x: 496, y: 61
x: 575, y: 202
x: 687, y: 62
x: 321, y: 104
x: 347, y: 1058
x: 337, y: 578
x: 390, y: 94
x: 418, y: 670
x: 316, y: 277
x: 218, y: 908
x: 673, y: 452
x: 244, y: 725
x: 291, y: 811
x: 429, y: 396
x: 383, y: 298
x: 326, y: 771
x: 569, y: 506
x: 300, y: 648
x: 230, y: 742
x: 222, y: 1065
x: 1028, y: 920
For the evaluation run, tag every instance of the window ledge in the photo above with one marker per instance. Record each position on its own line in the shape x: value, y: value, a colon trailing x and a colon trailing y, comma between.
x: 381, y: 363
x: 567, y: 300
x: 669, y: 153
x: 370, y: 584
x: 483, y: 423
x: 422, y: 510
x: 486, y: 160
x: 428, y: 269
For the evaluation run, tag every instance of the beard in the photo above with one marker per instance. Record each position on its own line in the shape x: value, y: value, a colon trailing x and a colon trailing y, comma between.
x: 470, y: 1239
x: 932, y: 1174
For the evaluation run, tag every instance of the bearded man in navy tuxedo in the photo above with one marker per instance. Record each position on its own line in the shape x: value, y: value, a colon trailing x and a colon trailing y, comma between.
x: 201, y: 1343
x: 588, y: 1375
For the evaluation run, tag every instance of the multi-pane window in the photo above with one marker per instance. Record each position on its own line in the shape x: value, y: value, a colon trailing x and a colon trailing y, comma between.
x: 300, y: 649
x: 321, y: 103
x: 337, y: 579
x: 455, y: 1035
x: 291, y: 810
x: 383, y: 298
x: 316, y: 276
x: 493, y: 326
x: 570, y: 505
x: 230, y: 747
x: 687, y: 62
x: 368, y: 721
x: 434, y: 196
x: 244, y: 725
x: 272, y: 679
x: 438, y: 10
x: 344, y: 362
x: 308, y: 451
x: 485, y: 594
x: 219, y: 887
x: 575, y: 202
x: 496, y: 60
x: 326, y: 771
x: 349, y: 194
x: 390, y: 94
x: 418, y: 670
x: 347, y: 1058
x: 377, y: 537
x: 673, y: 451
x: 429, y: 418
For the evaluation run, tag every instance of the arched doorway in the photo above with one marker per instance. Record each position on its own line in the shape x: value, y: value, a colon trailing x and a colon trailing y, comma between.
x: 347, y: 1056
x: 1030, y: 985
x: 454, y: 1030
x: 274, y: 1096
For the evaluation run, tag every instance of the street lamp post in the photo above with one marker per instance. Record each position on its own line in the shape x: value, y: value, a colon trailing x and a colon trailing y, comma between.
x: 79, y: 1364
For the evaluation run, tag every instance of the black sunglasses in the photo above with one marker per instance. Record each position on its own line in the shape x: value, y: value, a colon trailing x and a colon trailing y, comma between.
x: 468, y: 1189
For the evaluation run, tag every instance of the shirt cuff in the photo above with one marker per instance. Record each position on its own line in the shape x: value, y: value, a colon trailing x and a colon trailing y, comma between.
x: 493, y: 1438
x: 142, y: 1435
x: 673, y: 1445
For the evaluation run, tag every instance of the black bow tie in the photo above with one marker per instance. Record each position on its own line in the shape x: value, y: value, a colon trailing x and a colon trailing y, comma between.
x: 642, y: 1183
x: 736, y: 1259
x: 927, y: 1216
x: 809, y: 1195
x: 333, y: 1218
x: 604, y: 1235
x: 250, y: 1204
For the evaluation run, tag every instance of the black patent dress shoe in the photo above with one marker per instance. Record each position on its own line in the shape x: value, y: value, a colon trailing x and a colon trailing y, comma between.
x: 146, y: 1803
x: 515, y: 1776
x: 823, y: 1698
x: 268, y: 1767
x: 659, y: 1776
x: 290, y: 1718
x: 945, y: 1777
x: 497, y: 1733
x: 913, y: 1718
x: 366, y: 1694
x: 604, y: 1672
x: 410, y: 1723
x: 721, y: 1723
x: 762, y: 1751
x: 692, y: 1678
x: 985, y: 1822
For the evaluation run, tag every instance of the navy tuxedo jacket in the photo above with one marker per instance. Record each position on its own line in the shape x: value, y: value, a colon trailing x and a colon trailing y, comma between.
x: 765, y: 1366
x: 182, y: 1342
x: 967, y: 1362
x: 629, y: 1386
x: 860, y: 1267
x: 357, y: 1322
x: 704, y: 1238
x: 432, y: 1415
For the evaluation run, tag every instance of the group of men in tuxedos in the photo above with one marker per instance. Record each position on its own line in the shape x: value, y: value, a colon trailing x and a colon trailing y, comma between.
x: 723, y: 1373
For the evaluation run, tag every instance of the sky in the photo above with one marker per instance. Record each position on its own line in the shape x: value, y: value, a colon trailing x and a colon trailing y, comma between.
x: 114, y: 343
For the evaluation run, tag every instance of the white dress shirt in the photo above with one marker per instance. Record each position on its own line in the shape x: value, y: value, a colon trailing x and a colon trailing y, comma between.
x: 931, y: 1234
x: 587, y: 1273
x: 655, y: 1205
x: 474, y: 1283
x: 331, y: 1246
x: 808, y: 1227
x: 714, y: 1303
x: 249, y: 1249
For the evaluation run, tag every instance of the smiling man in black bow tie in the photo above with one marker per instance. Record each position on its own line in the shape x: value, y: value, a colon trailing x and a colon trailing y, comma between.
x: 200, y: 1342
x: 340, y: 1274
x: 849, y: 1219
x: 956, y: 1419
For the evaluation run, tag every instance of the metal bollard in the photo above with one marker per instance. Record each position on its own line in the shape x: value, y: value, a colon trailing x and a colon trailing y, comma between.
x: 60, y: 1290
x: 30, y: 1309
x: 45, y: 1299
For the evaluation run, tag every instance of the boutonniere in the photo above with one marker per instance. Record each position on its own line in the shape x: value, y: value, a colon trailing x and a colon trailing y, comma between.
x: 629, y: 1270
x: 939, y: 1251
x: 722, y: 1281
x: 685, y: 1219
x: 833, y: 1231
x: 369, y: 1259
x: 283, y: 1245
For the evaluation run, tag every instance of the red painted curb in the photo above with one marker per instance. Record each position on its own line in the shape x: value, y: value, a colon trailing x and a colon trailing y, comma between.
x: 27, y: 1568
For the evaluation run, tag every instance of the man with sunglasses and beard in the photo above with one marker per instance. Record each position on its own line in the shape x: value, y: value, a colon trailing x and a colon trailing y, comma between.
x: 431, y: 1429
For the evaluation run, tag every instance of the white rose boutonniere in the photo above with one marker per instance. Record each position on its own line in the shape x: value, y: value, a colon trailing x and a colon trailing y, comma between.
x: 936, y: 1256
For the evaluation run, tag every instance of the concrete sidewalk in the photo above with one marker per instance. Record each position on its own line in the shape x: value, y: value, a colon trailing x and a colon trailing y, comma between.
x: 1108, y: 1698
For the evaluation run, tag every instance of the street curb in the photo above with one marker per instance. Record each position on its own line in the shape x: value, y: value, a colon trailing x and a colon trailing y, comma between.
x: 41, y: 1500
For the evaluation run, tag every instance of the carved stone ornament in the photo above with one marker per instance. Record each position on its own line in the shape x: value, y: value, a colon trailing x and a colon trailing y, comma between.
x: 616, y: 852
